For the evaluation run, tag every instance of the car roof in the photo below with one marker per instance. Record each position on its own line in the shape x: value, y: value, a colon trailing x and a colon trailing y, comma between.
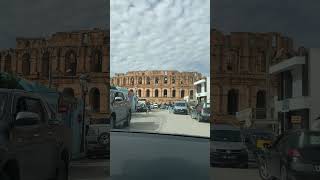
x: 224, y: 127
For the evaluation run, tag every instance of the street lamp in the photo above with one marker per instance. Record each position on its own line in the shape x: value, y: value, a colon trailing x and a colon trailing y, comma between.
x: 84, y: 78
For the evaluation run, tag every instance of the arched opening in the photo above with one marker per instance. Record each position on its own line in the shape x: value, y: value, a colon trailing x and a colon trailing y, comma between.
x: 182, y: 93
x: 7, y: 63
x: 139, y: 92
x: 156, y: 93
x: 71, y: 63
x: 96, y: 61
x: 191, y: 94
x: 173, y: 80
x: 132, y: 81
x: 165, y: 93
x: 148, y: 93
x: 68, y: 92
x: 261, y: 99
x: 165, y: 79
x: 148, y: 80
x: 45, y: 65
x: 233, y: 98
x: 173, y: 93
x: 140, y: 80
x: 26, y: 64
x: 94, y: 100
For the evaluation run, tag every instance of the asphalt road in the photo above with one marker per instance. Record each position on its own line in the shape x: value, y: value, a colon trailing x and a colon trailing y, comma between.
x: 234, y: 174
x: 162, y: 121
x: 89, y: 169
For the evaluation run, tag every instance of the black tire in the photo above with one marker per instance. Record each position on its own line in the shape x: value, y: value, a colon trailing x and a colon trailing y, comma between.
x: 104, y: 139
x: 263, y: 170
x: 63, y: 170
x: 284, y: 173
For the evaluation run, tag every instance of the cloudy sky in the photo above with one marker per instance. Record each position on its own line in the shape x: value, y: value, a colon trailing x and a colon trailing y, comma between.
x: 34, y: 18
x: 160, y: 34
x: 298, y: 19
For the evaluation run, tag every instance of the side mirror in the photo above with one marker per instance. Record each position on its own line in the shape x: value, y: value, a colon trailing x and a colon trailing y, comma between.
x: 26, y: 119
x: 118, y: 99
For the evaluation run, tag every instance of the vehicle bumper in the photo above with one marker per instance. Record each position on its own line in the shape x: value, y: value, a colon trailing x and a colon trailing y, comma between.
x: 229, y: 160
x: 180, y: 111
x: 303, y: 171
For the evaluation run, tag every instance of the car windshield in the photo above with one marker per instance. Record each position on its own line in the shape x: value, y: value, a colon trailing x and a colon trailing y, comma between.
x: 311, y: 139
x: 225, y: 135
x: 3, y: 98
x: 180, y: 104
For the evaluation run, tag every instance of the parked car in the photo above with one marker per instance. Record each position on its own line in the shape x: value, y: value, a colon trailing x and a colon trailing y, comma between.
x: 142, y: 108
x: 227, y: 147
x: 33, y: 143
x: 180, y: 107
x: 120, y: 109
x: 155, y: 106
x: 293, y: 155
x: 98, y: 138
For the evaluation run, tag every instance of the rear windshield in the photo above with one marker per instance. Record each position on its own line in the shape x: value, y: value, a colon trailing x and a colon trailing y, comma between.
x: 3, y: 101
x: 180, y: 104
x: 312, y: 139
x: 225, y: 135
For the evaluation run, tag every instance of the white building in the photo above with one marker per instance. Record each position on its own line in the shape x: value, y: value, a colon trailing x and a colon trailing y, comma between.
x: 298, y: 102
x: 203, y: 90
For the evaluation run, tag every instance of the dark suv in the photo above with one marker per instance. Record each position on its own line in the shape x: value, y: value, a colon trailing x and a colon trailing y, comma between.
x: 33, y: 144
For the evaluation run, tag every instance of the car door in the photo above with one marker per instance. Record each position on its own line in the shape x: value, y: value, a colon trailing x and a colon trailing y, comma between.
x: 29, y: 140
x: 275, y: 156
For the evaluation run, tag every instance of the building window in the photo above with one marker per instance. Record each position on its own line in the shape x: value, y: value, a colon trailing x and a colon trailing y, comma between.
x: 148, y: 93
x: 96, y: 61
x: 139, y: 92
x: 132, y: 81
x: 94, y: 100
x: 173, y: 93
x: 7, y: 63
x: 261, y: 99
x: 45, y: 65
x: 233, y: 98
x: 173, y: 80
x: 182, y: 93
x: 191, y: 94
x: 71, y: 63
x: 124, y: 81
x: 165, y: 80
x: 26, y: 64
x: 156, y: 81
x: 156, y: 93
x: 148, y: 80
x: 165, y: 93
x: 140, y: 80
x: 85, y: 38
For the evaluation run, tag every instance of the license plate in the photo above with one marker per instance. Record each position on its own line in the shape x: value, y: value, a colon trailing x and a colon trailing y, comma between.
x: 317, y: 168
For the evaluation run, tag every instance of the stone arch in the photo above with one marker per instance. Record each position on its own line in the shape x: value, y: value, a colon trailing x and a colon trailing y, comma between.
x: 71, y: 62
x: 261, y: 99
x: 7, y: 63
x: 94, y: 99
x: 26, y: 64
x: 233, y: 101
x: 148, y: 93
x: 165, y: 93
x: 45, y: 64
x: 156, y: 93
x: 173, y: 93
x: 96, y: 61
x: 182, y: 93
x: 68, y: 92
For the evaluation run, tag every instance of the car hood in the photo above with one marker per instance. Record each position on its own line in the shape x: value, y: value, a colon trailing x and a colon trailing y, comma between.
x: 227, y: 145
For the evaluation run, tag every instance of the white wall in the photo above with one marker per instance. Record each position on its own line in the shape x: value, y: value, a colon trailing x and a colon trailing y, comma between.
x: 314, y: 77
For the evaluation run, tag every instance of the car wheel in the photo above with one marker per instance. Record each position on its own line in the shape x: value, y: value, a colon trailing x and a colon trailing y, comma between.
x: 62, y: 171
x: 283, y: 173
x: 104, y: 139
x: 263, y: 171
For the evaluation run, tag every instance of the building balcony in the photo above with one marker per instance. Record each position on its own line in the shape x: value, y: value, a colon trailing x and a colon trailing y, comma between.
x: 287, y: 64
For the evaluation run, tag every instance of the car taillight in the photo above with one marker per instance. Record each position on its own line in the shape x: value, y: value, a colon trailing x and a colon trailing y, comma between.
x: 293, y: 153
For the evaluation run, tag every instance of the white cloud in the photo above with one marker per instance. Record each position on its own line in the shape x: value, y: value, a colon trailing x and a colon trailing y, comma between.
x: 160, y: 34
